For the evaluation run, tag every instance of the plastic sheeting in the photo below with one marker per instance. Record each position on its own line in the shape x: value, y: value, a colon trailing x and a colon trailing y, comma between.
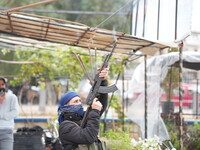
x: 166, y: 10
x: 157, y: 68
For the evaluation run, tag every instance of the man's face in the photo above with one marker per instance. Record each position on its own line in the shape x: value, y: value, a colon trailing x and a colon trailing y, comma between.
x: 2, y: 84
x: 74, y: 101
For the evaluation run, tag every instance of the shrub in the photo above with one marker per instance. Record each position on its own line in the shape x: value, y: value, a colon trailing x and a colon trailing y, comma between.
x: 120, y: 140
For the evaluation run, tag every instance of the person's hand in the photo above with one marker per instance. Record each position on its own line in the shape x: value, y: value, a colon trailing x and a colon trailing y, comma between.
x: 96, y: 104
x: 104, y: 73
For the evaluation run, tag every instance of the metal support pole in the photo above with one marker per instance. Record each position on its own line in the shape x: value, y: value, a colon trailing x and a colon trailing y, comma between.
x: 136, y: 18
x: 144, y: 18
x: 197, y: 99
x: 176, y: 17
x: 109, y: 104
x: 145, y: 96
x: 123, y: 99
x: 169, y: 108
x: 28, y: 6
x: 158, y: 22
x: 180, y: 96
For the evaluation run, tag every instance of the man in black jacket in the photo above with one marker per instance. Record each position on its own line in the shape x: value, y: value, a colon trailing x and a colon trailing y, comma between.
x: 71, y: 113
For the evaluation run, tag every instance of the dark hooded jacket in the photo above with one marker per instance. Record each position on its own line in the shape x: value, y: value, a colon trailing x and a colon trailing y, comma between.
x: 70, y: 133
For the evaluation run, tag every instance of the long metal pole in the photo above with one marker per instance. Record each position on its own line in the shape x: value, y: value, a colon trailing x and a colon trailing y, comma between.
x: 144, y: 18
x: 176, y: 17
x: 170, y: 88
x: 69, y: 12
x: 197, y: 99
x: 158, y: 20
x: 28, y: 6
x: 109, y: 104
x: 131, y: 20
x: 136, y: 18
x: 145, y: 96
x: 123, y: 100
x: 180, y: 96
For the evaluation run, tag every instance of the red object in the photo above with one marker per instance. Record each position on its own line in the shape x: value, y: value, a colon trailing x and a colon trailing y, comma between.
x: 187, y: 95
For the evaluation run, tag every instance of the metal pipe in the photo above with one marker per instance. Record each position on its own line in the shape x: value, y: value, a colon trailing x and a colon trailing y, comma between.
x: 197, y: 99
x: 170, y: 88
x: 136, y: 18
x: 69, y: 12
x: 109, y: 104
x: 158, y: 22
x: 176, y: 17
x: 131, y: 20
x: 145, y: 97
x: 123, y: 100
x: 28, y: 6
x: 180, y: 96
x: 144, y: 18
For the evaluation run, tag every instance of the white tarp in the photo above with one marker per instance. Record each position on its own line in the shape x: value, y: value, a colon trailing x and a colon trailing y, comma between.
x: 157, y: 68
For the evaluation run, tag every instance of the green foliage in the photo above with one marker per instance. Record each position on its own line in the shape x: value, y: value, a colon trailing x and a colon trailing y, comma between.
x: 116, y: 105
x: 115, y: 67
x: 121, y: 140
x: 118, y: 139
x: 196, y: 126
x: 194, y: 133
x: 191, y: 133
x: 12, y: 69
x: 173, y: 131
x: 51, y: 64
x: 48, y: 65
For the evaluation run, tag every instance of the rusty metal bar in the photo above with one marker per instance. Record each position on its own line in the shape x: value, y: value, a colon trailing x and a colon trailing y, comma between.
x: 28, y: 6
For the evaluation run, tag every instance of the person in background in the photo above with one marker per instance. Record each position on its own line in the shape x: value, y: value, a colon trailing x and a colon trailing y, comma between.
x: 9, y: 109
x: 71, y: 112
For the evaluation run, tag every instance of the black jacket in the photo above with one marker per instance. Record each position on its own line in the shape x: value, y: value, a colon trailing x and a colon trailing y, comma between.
x: 72, y: 134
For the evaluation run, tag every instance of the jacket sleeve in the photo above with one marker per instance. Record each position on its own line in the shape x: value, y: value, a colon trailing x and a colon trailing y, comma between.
x: 70, y: 132
x: 103, y: 97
